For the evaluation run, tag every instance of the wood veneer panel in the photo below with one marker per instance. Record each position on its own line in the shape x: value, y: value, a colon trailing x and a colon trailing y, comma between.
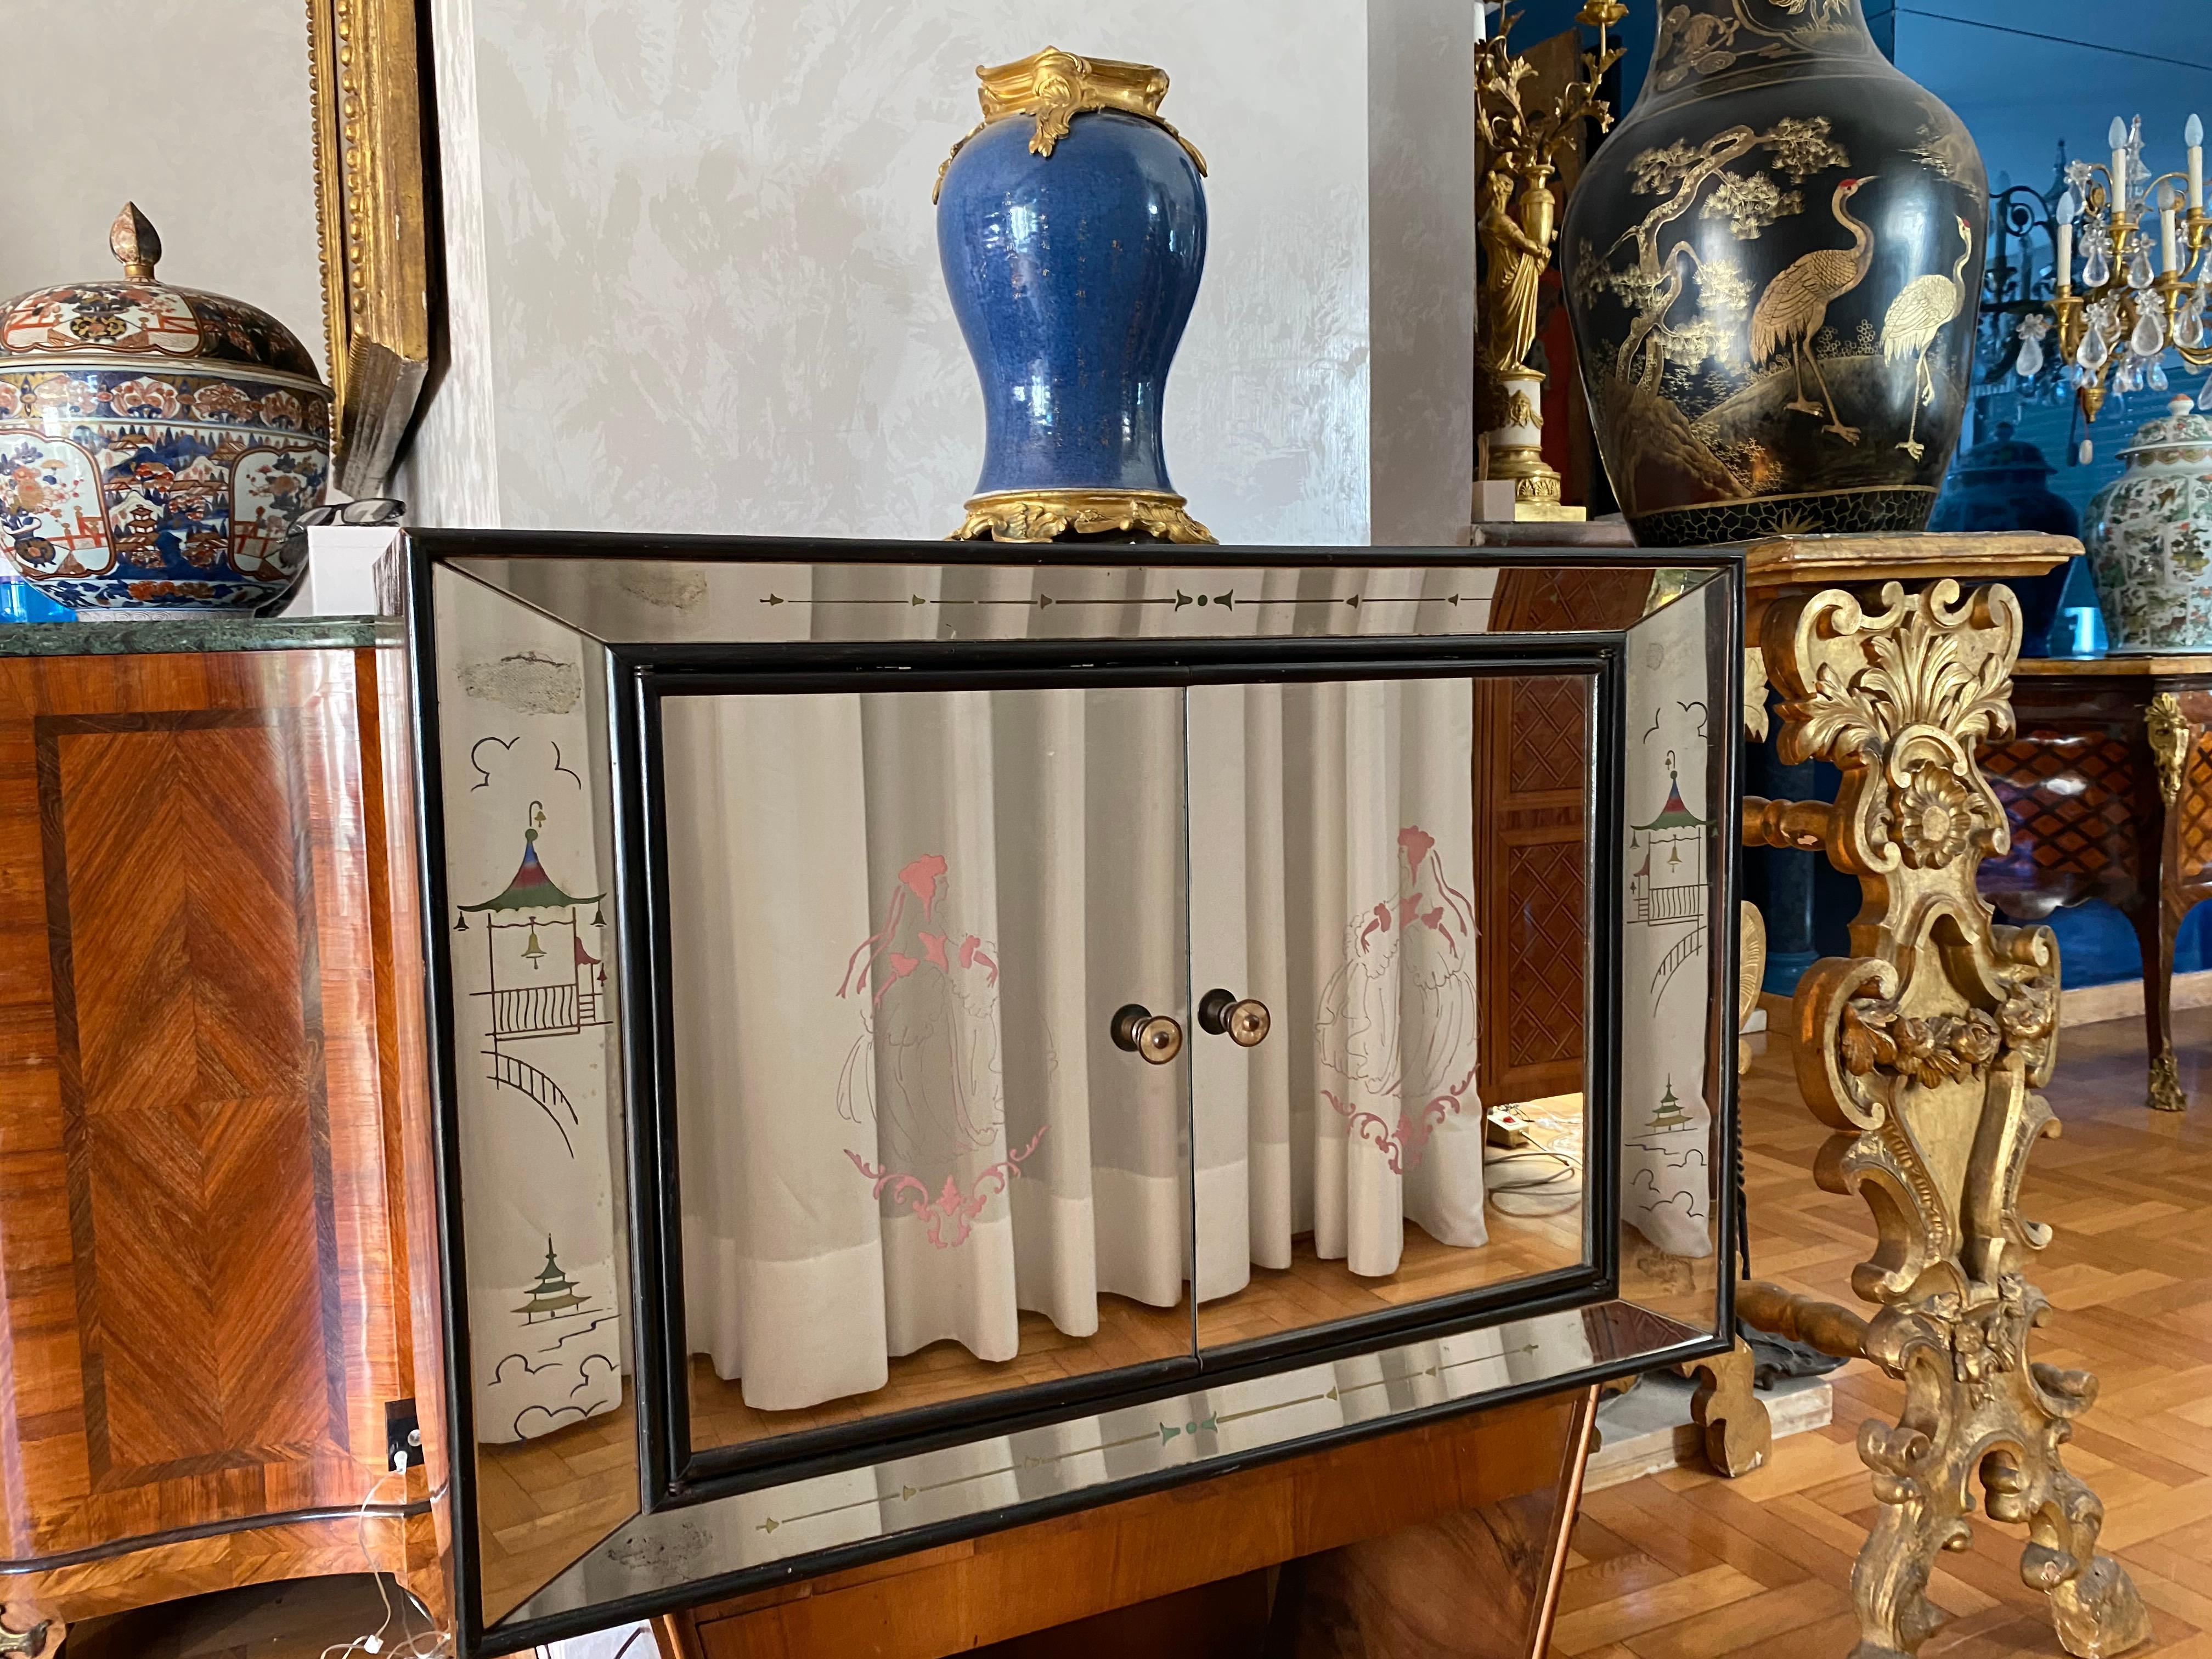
x: 1051, y: 1572
x: 1531, y: 747
x: 198, y: 1325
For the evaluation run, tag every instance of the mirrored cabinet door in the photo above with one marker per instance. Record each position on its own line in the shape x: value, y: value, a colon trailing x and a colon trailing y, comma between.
x: 1342, y: 1167
x: 930, y: 997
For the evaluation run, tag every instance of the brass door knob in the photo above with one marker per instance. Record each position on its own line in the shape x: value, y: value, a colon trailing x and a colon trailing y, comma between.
x: 1245, y: 1022
x: 1154, y: 1037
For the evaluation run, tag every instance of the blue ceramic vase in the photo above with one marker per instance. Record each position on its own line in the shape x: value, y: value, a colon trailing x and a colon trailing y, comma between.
x: 1072, y: 228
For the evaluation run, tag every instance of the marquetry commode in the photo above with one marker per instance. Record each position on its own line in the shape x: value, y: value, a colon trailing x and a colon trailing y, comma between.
x: 206, y: 1335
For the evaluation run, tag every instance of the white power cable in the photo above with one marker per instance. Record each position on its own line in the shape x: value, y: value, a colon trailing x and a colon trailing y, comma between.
x: 410, y: 1643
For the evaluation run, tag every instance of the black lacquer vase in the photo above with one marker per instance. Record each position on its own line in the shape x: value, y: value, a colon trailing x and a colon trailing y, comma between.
x: 1772, y: 266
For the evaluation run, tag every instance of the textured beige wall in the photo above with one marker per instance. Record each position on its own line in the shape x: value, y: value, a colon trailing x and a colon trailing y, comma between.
x: 693, y: 269
x: 197, y: 110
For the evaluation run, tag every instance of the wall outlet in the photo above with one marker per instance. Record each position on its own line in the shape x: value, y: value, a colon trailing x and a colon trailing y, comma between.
x: 403, y: 1434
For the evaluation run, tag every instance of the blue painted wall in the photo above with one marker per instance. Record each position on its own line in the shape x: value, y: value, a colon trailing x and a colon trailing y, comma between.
x: 2024, y: 75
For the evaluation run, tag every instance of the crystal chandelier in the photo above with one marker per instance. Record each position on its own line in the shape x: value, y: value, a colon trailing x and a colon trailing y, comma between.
x: 2115, y: 329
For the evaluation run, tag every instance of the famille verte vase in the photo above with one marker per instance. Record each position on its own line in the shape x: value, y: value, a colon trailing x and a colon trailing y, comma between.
x: 1072, y: 227
x: 1773, y: 265
x: 155, y: 443
x: 2149, y: 536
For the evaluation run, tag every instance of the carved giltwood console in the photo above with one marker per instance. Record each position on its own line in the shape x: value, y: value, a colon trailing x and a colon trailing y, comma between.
x: 1921, y: 1051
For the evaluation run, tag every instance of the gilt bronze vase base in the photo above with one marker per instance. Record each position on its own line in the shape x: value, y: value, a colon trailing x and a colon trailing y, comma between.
x: 1053, y: 515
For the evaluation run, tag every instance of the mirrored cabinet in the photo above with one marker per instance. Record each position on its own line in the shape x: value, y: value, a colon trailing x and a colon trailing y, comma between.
x: 930, y: 1038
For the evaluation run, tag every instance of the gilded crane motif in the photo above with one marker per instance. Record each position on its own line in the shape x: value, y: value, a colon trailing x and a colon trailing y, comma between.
x: 1916, y: 317
x: 1796, y: 303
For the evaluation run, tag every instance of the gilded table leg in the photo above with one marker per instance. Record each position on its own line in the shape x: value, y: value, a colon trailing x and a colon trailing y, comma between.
x: 1921, y: 1053
x: 1738, y: 1431
x: 2172, y: 738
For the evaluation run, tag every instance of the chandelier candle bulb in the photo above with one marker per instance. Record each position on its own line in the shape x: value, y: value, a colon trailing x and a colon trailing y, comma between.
x: 2193, y: 135
x: 2116, y: 137
x: 2066, y: 242
x: 2166, y: 228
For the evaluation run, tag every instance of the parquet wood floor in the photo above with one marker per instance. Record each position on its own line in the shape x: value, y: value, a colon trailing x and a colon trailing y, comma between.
x: 1685, y: 1566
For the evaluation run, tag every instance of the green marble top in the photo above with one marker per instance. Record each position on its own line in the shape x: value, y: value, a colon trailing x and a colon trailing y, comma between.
x: 208, y: 633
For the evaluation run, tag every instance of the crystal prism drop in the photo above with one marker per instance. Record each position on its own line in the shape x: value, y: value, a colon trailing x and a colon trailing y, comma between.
x: 2030, y: 362
x: 2204, y: 395
x: 2156, y: 379
x: 2139, y: 268
x: 2095, y: 350
x: 2188, y: 325
x: 2086, y: 452
x: 2148, y: 339
x: 2096, y: 270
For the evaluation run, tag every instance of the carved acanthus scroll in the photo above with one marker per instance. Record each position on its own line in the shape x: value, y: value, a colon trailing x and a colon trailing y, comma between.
x: 1921, y: 1051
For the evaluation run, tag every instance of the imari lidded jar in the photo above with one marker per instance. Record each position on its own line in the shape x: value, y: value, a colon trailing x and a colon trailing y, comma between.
x: 2149, y: 536
x: 1773, y: 265
x: 155, y: 443
x: 1072, y: 227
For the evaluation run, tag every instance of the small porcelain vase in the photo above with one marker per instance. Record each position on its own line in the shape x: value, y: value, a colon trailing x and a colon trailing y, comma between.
x: 1071, y: 225
x: 2149, y: 536
x: 155, y: 443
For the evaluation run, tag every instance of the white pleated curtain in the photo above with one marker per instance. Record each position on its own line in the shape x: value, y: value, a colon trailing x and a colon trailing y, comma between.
x: 901, y: 923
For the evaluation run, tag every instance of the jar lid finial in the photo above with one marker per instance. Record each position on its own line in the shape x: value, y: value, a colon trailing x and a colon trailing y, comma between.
x: 133, y: 240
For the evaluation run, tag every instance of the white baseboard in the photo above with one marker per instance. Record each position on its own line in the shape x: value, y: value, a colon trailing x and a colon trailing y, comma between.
x: 2091, y: 1004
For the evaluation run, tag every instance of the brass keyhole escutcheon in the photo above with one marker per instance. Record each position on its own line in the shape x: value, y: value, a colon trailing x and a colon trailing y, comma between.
x: 1244, y: 1021
x: 1154, y: 1038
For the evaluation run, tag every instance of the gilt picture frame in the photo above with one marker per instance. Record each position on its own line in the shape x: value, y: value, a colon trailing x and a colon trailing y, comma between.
x: 373, y: 223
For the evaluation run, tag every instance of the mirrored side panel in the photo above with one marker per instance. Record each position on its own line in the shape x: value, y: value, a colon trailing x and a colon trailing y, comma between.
x: 527, y: 849
x: 929, y: 988
x: 1679, y: 925
x: 1386, y: 876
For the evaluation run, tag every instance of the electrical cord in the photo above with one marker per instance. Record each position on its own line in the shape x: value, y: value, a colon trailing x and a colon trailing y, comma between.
x: 409, y: 1645
x: 1555, y: 1151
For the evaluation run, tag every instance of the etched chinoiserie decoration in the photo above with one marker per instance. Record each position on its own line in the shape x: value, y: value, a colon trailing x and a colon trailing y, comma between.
x: 2149, y: 536
x: 156, y: 443
x: 1771, y: 267
x: 1071, y: 225
x: 538, y: 1000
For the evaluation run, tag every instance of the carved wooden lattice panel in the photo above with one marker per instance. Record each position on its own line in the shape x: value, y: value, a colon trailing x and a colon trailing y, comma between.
x: 1531, y: 743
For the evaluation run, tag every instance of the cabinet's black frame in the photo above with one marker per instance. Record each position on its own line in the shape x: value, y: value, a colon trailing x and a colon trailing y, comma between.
x: 640, y: 679
x: 412, y: 595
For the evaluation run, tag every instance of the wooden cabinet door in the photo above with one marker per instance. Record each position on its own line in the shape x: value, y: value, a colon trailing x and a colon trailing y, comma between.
x: 1531, y: 745
x: 198, y: 1327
